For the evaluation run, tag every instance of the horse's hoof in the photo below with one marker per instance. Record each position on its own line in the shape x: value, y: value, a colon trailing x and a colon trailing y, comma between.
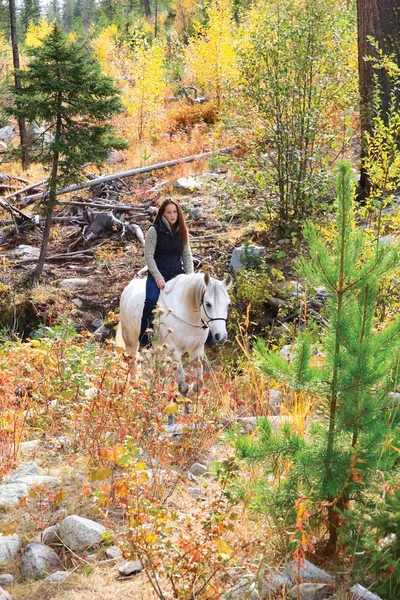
x: 183, y: 388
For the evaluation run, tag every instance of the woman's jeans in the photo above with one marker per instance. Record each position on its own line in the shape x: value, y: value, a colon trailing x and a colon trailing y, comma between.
x: 152, y: 294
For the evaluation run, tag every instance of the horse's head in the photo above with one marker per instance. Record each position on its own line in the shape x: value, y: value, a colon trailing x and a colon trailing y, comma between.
x: 214, y: 306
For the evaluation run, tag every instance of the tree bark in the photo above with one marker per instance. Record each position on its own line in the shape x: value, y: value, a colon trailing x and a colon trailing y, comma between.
x: 17, y: 79
x: 147, y: 9
x: 379, y: 19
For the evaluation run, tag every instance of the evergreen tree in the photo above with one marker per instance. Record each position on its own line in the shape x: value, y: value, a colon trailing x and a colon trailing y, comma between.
x: 349, y: 439
x: 4, y: 17
x: 68, y: 8
x: 54, y: 11
x: 29, y: 13
x: 64, y: 88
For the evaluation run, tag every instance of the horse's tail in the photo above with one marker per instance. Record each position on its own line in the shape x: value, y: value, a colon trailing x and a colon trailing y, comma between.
x: 119, y: 340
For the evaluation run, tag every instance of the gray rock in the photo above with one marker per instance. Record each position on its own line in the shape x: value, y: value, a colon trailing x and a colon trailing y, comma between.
x: 310, y: 591
x: 11, y: 494
x: 57, y: 577
x: 130, y: 567
x: 102, y: 333
x: 189, y: 184
x: 114, y: 156
x: 361, y: 593
x: 7, y: 579
x: 9, y: 547
x: 274, y: 399
x: 37, y: 134
x: 78, y: 302
x: 195, y: 214
x: 27, y: 447
x: 286, y: 352
x: 276, y: 302
x: 308, y: 573
x: 50, y: 535
x: 240, y: 256
x: 275, y: 581
x: 6, y: 133
x: 113, y: 552
x: 37, y: 560
x: 78, y: 533
x: 194, y: 492
x: 394, y: 399
x: 198, y: 469
x: 5, y: 595
x: 96, y: 323
x: 74, y: 283
x: 25, y: 252
x: 284, y: 242
x: 45, y: 481
x: 196, y: 203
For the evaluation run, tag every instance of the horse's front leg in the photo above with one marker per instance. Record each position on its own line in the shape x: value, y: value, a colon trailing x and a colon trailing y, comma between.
x: 180, y: 373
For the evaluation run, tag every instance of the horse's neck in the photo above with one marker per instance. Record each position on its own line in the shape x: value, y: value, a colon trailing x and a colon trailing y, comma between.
x: 175, y: 297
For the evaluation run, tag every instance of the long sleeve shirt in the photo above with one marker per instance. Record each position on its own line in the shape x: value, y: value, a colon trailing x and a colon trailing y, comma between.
x: 150, y: 245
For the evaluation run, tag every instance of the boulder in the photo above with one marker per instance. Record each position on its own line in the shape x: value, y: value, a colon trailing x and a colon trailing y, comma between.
x: 7, y: 579
x: 50, y: 535
x: 38, y: 560
x: 11, y: 494
x: 113, y: 552
x: 189, y: 184
x: 308, y: 573
x: 198, y: 469
x: 57, y: 577
x: 29, y: 468
x: 77, y: 533
x: 130, y: 567
x: 45, y: 481
x: 310, y: 591
x: 9, y: 547
x: 5, y: 595
x: 361, y: 593
x: 25, y: 252
x: 74, y: 283
x: 245, y: 256
x: 27, y: 447
x: 6, y: 133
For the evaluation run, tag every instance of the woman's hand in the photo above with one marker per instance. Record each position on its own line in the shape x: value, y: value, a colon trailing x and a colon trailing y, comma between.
x: 161, y: 284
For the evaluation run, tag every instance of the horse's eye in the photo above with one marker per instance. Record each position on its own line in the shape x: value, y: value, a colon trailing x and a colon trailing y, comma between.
x: 208, y: 305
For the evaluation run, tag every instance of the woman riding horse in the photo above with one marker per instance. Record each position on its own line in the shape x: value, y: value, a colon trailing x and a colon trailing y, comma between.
x: 167, y: 254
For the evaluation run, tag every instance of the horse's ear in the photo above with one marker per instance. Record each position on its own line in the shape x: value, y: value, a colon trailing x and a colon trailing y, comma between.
x: 227, y: 281
x: 207, y: 278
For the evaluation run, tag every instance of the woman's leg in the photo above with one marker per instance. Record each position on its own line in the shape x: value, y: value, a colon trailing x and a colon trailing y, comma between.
x: 152, y: 294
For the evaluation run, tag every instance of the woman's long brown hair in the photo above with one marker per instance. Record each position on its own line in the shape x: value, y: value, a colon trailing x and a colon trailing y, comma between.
x: 181, y: 219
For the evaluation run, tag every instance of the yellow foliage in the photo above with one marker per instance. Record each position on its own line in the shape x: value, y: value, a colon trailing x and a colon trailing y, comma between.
x: 36, y: 33
x: 211, y: 56
x: 138, y: 73
x: 185, y: 12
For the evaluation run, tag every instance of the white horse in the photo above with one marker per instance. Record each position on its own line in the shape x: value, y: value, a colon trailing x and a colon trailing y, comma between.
x: 191, y: 305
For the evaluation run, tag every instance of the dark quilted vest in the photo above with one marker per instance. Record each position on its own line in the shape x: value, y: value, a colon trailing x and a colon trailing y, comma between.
x: 168, y: 254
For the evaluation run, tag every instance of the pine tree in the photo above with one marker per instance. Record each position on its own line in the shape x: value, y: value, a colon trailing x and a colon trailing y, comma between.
x: 350, y: 436
x: 4, y: 17
x: 54, y: 11
x: 64, y: 88
x: 29, y: 13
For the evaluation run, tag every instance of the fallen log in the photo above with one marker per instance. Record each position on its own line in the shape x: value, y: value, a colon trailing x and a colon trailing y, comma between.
x: 13, y: 209
x: 117, y: 207
x: 25, y: 189
x: 98, y: 180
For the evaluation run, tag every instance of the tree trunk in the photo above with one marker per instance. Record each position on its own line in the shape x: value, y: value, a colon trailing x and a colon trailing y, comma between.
x: 21, y: 120
x: 379, y: 19
x: 147, y: 10
x: 52, y: 201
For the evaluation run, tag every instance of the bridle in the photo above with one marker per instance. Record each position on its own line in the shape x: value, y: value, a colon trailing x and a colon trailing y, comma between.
x: 204, y: 323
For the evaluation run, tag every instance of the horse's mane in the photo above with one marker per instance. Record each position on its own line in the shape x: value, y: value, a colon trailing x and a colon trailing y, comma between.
x: 193, y: 289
